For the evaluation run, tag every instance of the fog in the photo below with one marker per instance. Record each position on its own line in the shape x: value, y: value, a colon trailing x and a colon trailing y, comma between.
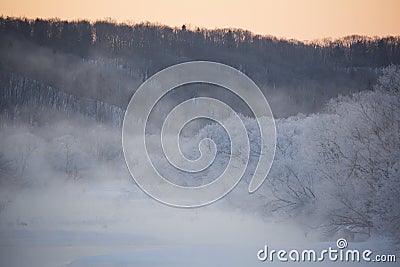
x: 73, y: 198
x: 68, y: 199
x: 65, y: 188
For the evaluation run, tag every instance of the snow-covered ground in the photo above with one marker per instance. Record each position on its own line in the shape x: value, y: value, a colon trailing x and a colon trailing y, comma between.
x: 114, y: 224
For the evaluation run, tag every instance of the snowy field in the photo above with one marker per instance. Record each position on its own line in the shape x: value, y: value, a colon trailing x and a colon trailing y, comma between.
x: 109, y: 225
x: 113, y: 224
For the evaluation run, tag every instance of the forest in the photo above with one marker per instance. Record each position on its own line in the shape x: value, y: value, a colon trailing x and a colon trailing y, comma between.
x: 64, y: 89
x: 305, y: 75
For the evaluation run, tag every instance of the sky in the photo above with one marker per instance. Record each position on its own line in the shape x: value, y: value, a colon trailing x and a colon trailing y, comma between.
x: 301, y: 19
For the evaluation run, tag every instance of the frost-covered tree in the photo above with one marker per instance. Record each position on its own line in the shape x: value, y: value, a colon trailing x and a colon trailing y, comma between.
x: 341, y: 168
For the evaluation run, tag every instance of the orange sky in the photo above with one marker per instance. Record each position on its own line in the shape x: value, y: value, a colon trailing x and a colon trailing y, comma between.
x: 302, y: 19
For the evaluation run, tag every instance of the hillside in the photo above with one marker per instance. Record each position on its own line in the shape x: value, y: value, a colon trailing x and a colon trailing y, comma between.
x: 106, y: 61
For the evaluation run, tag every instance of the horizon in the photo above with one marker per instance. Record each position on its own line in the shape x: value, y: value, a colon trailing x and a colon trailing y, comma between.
x: 305, y: 21
x: 194, y: 28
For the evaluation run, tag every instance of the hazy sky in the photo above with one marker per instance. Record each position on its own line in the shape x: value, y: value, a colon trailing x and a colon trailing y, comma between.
x: 307, y: 19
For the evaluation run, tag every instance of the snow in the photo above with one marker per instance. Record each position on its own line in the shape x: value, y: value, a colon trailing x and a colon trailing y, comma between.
x: 107, y: 224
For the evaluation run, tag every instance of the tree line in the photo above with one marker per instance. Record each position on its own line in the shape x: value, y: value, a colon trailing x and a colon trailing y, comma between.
x: 219, y: 44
